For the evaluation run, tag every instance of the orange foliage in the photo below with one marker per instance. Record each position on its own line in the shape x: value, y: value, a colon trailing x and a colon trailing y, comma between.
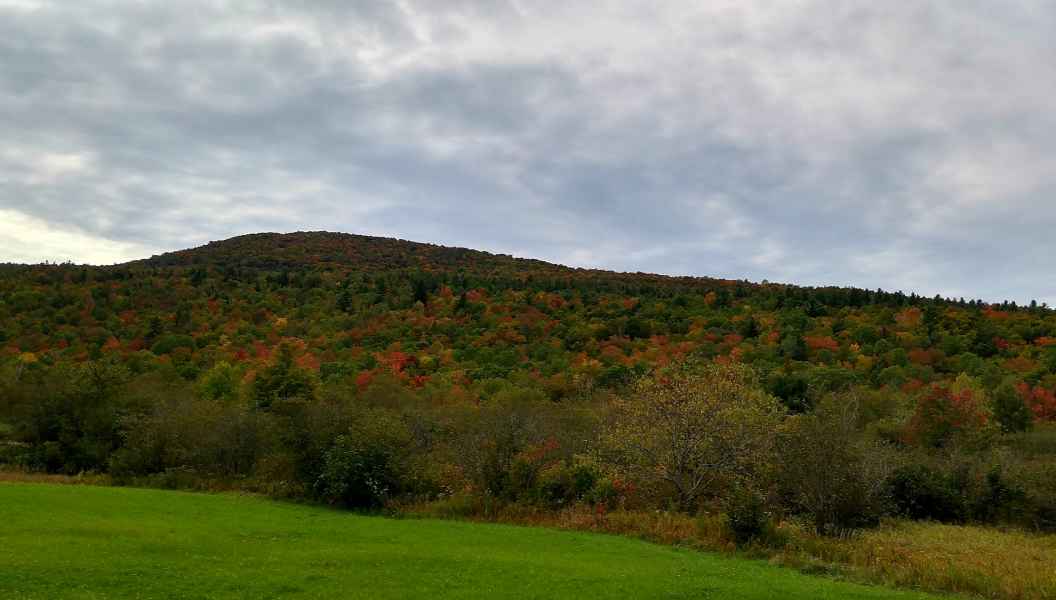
x: 1021, y: 364
x: 111, y: 345
x: 822, y: 343
x: 921, y: 356
x: 732, y: 339
x: 910, y: 317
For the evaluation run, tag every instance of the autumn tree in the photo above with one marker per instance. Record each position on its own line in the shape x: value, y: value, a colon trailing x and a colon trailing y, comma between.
x: 281, y: 381
x: 944, y: 412
x: 693, y: 427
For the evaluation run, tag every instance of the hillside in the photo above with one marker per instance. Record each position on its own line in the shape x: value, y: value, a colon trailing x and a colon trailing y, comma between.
x: 361, y: 305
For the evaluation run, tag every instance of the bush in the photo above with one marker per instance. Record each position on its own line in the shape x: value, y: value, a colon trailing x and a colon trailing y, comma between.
x: 363, y: 467
x: 830, y: 472
x: 1002, y: 500
x: 1010, y: 411
x: 563, y: 484
x: 919, y: 492
x: 184, y: 434
x: 167, y: 344
x: 746, y: 517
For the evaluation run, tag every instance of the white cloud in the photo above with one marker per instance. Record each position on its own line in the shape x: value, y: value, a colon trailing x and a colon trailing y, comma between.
x: 24, y: 239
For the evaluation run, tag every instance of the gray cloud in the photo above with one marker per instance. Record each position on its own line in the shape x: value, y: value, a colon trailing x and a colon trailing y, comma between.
x: 905, y: 146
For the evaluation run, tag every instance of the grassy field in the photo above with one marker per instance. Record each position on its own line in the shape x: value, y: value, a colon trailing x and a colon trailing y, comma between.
x: 97, y: 542
x: 978, y: 561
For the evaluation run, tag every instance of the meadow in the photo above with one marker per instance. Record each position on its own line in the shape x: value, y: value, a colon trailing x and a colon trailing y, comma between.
x: 102, y: 542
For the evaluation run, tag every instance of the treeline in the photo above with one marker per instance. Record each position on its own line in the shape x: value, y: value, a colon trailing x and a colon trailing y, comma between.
x: 691, y: 437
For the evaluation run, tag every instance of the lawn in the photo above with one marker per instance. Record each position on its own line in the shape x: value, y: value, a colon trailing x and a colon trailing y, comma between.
x: 98, y: 542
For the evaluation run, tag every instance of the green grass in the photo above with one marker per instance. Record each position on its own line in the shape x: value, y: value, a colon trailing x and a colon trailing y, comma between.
x: 97, y: 542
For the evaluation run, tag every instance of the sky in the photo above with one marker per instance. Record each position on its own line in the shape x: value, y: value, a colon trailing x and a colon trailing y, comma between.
x: 900, y: 145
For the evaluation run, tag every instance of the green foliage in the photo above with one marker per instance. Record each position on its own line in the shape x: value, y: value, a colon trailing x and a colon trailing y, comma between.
x: 746, y: 515
x: 1009, y: 409
x: 691, y: 427
x: 222, y: 383
x: 281, y: 382
x: 244, y: 361
x: 169, y: 343
x: 829, y: 472
x: 361, y: 469
x: 920, y: 492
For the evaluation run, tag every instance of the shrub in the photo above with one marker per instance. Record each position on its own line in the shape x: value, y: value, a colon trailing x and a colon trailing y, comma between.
x: 362, y: 468
x: 168, y: 343
x: 746, y: 517
x: 920, y: 492
x: 830, y: 472
x: 1010, y: 410
x: 562, y: 484
x: 1002, y: 500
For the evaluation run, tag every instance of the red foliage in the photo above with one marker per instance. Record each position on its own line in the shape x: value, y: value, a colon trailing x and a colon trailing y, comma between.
x: 261, y: 351
x: 822, y: 343
x: 396, y: 360
x: 732, y: 339
x: 364, y: 378
x: 942, y: 413
x: 1042, y: 402
x: 308, y: 361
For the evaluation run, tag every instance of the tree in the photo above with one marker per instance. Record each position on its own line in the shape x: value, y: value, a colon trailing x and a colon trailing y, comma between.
x: 691, y: 427
x: 944, y: 412
x: 1010, y: 411
x: 829, y: 472
x: 221, y: 383
x: 282, y: 381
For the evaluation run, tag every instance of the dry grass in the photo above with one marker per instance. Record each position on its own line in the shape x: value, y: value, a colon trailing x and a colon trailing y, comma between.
x: 980, y: 561
x: 82, y: 479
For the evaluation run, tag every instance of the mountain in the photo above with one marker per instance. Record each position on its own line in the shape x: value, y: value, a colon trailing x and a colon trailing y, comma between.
x: 362, y: 306
x: 360, y: 253
x: 339, y: 251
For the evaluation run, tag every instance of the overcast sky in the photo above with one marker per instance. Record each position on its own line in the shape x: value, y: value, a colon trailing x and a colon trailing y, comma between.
x: 903, y: 145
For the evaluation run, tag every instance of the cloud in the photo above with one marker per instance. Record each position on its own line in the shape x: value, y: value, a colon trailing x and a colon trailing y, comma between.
x: 903, y: 146
x: 25, y: 239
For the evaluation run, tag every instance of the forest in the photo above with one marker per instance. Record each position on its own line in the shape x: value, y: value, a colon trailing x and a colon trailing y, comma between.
x: 383, y: 374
